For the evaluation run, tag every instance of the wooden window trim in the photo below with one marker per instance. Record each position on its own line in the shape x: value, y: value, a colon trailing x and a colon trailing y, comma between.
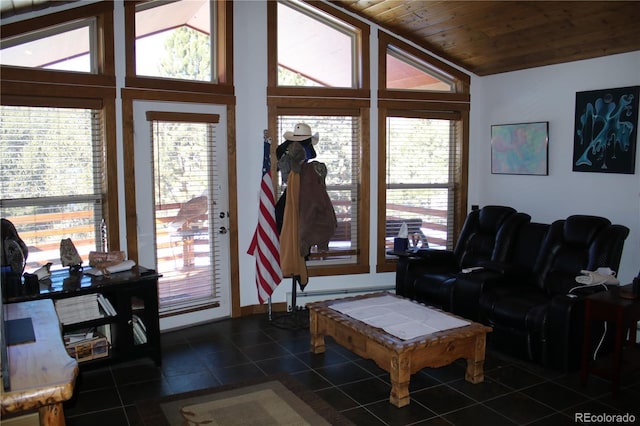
x: 384, y: 264
x: 183, y: 117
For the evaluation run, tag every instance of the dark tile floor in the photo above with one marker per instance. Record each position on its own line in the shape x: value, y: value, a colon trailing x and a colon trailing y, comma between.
x: 513, y: 392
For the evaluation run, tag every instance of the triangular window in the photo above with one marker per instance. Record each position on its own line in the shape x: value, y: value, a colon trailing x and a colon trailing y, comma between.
x: 406, y: 72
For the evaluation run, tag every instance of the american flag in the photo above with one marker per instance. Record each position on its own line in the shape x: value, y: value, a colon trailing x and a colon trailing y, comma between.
x: 265, y: 245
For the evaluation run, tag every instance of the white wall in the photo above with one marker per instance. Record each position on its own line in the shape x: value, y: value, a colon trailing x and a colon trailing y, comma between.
x: 548, y: 94
x: 250, y: 78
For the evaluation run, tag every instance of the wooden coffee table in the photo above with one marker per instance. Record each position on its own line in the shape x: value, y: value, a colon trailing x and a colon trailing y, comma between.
x: 400, y: 358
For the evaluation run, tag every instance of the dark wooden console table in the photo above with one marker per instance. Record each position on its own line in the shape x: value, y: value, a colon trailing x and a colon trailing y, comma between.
x: 622, y: 309
x: 134, y: 296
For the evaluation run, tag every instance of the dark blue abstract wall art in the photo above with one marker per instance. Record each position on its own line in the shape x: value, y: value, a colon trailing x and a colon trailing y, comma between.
x: 606, y: 130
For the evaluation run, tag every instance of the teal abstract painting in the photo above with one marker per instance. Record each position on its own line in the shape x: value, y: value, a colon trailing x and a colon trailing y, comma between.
x: 520, y: 149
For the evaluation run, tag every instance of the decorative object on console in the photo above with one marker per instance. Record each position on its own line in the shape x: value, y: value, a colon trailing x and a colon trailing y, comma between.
x: 69, y: 254
x: 43, y: 272
x: 14, y: 250
x: 401, y: 242
x: 520, y: 149
x: 605, y: 134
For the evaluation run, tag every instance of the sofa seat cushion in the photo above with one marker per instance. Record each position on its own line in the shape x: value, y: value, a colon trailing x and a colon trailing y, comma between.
x: 518, y: 308
x: 435, y: 288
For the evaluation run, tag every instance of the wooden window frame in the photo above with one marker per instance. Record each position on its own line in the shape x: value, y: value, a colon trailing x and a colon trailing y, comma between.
x: 54, y: 88
x: 362, y: 49
x: 354, y: 108
x: 421, y: 104
x: 105, y: 76
x: 328, y: 101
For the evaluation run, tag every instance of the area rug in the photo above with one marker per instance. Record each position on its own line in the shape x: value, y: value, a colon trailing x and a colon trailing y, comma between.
x: 270, y: 401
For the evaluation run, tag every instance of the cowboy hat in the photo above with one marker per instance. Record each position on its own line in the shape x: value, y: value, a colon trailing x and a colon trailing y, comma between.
x: 302, y: 132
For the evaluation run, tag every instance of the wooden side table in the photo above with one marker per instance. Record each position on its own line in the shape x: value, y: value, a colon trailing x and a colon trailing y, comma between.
x: 619, y: 307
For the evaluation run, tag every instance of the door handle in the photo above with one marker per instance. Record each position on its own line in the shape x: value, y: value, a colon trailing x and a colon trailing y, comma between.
x: 222, y: 230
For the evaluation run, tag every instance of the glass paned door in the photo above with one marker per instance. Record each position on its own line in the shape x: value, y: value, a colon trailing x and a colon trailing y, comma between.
x: 183, y: 189
x: 181, y: 194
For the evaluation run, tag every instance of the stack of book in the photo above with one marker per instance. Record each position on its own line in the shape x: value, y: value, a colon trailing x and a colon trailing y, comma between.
x: 83, y: 308
x: 139, y: 331
x: 107, y: 307
x: 85, y: 345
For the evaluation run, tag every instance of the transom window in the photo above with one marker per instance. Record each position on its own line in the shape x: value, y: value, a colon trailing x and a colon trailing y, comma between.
x: 67, y: 47
x: 406, y: 72
x: 173, y: 40
x: 315, y: 49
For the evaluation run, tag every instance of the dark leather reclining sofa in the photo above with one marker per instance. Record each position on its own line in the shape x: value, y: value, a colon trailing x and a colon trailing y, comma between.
x: 525, y: 286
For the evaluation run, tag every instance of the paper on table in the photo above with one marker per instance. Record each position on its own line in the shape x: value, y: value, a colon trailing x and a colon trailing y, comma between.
x: 399, y: 317
x: 120, y: 267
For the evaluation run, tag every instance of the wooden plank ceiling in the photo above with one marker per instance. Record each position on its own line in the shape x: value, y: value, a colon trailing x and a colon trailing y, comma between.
x: 491, y: 37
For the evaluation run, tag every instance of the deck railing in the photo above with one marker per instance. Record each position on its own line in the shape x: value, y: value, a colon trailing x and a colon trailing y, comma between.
x: 181, y: 247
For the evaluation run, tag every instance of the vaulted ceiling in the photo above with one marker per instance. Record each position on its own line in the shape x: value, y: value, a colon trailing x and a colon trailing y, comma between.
x: 489, y: 37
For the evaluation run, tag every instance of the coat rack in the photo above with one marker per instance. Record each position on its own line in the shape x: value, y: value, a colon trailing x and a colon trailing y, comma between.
x: 294, y: 319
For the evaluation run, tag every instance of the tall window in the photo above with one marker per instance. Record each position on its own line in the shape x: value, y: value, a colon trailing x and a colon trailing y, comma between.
x: 185, y: 191
x: 423, y: 113
x: 339, y: 149
x: 319, y: 75
x: 420, y: 179
x: 51, y: 182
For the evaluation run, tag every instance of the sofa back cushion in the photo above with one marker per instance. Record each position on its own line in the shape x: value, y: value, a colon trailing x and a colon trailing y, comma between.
x: 577, y: 243
x: 486, y: 233
x: 526, y: 249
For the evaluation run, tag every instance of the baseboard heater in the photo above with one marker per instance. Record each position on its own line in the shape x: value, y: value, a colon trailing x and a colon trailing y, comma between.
x: 304, y: 297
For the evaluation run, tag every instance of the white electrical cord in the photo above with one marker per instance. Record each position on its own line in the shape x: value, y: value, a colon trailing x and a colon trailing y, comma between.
x: 595, y: 353
x: 589, y: 285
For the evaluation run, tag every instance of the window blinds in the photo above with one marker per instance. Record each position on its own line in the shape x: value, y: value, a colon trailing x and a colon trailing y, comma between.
x: 187, y: 246
x: 51, y: 178
x: 420, y: 179
x: 338, y: 148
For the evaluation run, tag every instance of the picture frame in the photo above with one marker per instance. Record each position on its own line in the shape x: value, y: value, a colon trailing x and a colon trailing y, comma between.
x: 520, y: 148
x: 606, y: 130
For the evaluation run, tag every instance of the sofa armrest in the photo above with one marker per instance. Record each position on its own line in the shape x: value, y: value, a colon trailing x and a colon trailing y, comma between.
x: 432, y: 257
x: 565, y: 332
x: 509, y: 271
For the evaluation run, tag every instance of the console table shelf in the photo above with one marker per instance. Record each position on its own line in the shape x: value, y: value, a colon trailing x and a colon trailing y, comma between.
x: 134, y: 297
